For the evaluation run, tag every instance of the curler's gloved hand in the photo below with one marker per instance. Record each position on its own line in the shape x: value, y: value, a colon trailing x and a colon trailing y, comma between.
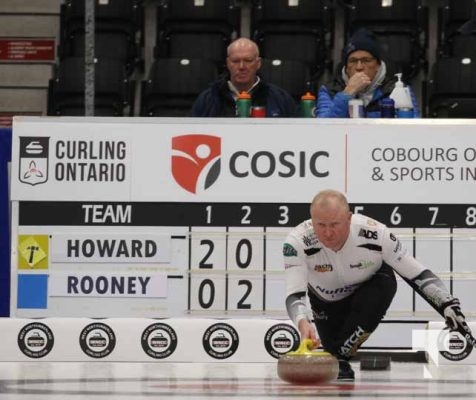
x: 454, y: 317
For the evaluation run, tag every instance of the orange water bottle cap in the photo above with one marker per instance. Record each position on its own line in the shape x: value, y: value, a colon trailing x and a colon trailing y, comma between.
x: 308, y: 96
x: 244, y: 95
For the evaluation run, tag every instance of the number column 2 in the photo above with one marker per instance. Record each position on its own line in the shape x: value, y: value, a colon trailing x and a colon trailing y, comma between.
x: 227, y: 269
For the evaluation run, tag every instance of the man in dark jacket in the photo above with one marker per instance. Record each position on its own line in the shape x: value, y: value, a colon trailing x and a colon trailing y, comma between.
x: 243, y: 63
x: 363, y: 76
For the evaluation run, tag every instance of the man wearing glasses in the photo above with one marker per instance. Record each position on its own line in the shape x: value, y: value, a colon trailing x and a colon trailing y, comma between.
x: 243, y: 63
x: 363, y: 76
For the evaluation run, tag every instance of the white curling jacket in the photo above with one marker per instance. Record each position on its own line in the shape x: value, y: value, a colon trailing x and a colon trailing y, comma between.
x: 332, y: 276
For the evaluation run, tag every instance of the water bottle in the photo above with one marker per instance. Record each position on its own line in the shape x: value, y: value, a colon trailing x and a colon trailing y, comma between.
x: 402, y: 98
x: 373, y: 114
x: 356, y: 108
x: 243, y: 105
x: 308, y: 105
x: 387, y: 108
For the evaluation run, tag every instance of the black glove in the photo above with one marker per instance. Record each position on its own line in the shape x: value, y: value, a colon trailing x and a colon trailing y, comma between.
x: 454, y: 317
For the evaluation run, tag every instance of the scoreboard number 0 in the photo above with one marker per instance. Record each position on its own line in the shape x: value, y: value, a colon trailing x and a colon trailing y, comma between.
x: 226, y: 269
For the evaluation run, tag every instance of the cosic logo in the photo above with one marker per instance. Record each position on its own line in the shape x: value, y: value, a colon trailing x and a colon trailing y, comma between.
x: 33, y: 168
x: 287, y: 164
x: 196, y: 161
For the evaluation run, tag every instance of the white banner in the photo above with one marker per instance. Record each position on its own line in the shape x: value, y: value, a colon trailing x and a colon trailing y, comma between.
x: 225, y: 160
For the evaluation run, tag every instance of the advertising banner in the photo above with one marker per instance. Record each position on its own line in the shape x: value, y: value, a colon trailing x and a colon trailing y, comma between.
x: 232, y: 161
x: 155, y: 218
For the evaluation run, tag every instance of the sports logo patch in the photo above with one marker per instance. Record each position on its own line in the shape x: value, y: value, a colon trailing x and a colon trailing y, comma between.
x: 368, y: 234
x: 289, y: 251
x: 323, y: 268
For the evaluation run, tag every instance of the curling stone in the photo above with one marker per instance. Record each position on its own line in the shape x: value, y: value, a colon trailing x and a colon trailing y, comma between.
x: 305, y: 366
x: 376, y: 362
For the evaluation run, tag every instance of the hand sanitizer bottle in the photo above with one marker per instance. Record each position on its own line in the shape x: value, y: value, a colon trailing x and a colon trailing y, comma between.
x: 402, y: 98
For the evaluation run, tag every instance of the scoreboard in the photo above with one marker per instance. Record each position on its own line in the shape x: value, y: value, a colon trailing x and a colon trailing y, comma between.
x: 159, y: 217
x: 404, y: 215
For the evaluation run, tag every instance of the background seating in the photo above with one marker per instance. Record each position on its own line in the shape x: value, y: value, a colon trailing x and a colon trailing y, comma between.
x: 174, y: 84
x: 452, y: 88
x: 294, y: 30
x: 300, y: 41
x: 453, y: 15
x: 112, y: 89
x: 196, y: 29
x: 118, y: 30
x: 292, y: 75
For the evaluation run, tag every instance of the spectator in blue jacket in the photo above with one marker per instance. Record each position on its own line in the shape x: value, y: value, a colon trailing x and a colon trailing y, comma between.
x: 243, y: 62
x: 363, y: 76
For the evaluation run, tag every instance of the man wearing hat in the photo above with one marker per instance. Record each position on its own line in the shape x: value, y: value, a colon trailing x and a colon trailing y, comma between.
x: 363, y: 76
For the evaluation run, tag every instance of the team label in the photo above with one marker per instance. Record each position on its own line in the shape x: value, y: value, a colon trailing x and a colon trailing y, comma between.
x: 107, y: 248
x: 107, y: 285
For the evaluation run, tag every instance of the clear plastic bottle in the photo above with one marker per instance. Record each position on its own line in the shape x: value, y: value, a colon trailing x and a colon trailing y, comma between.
x: 402, y: 98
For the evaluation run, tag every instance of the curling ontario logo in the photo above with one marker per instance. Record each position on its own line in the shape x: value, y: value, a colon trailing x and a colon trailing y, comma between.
x: 33, y: 160
x: 196, y: 161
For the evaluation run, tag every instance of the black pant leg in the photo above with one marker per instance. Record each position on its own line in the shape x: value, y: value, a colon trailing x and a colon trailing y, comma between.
x: 372, y: 300
x: 343, y: 326
x: 329, y: 317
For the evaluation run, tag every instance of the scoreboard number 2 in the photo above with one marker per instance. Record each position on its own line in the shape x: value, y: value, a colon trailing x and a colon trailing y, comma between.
x: 226, y: 269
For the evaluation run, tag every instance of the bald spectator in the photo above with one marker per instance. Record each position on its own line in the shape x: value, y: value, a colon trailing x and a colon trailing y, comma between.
x: 243, y: 63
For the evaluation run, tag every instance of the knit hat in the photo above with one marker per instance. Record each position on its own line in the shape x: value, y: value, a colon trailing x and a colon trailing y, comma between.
x: 365, y: 40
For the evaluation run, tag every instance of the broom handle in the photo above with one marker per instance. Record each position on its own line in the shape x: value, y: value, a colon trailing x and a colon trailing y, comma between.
x: 468, y: 336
